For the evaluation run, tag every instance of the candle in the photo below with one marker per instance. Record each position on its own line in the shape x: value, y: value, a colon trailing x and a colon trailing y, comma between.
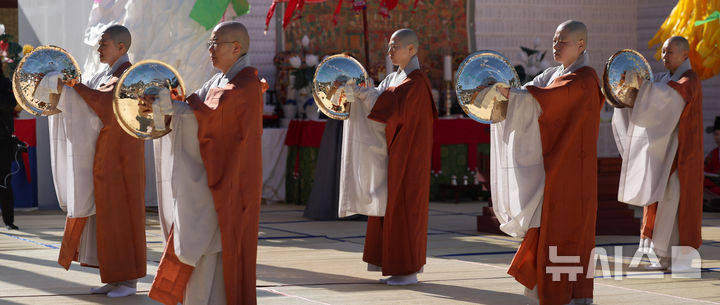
x: 388, y: 65
x: 447, y: 67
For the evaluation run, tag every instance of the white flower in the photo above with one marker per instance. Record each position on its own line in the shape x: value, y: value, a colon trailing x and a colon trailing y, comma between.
x: 295, y: 62
x: 523, y: 57
x: 537, y: 42
x: 532, y: 70
x: 311, y: 60
x: 305, y: 41
x: 2, y: 29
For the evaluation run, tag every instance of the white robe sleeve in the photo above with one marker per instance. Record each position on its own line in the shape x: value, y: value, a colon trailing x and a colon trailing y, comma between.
x: 196, y: 229
x: 647, y: 137
x: 162, y: 148
x: 73, y: 135
x: 620, y: 125
x: 364, y: 158
x: 517, y: 171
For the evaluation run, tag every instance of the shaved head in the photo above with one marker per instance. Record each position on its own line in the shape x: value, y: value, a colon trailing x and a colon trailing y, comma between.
x: 402, y: 47
x: 114, y: 43
x: 680, y: 42
x: 233, y: 31
x: 119, y: 34
x: 576, y: 29
x: 406, y: 36
x: 569, y: 42
x: 675, y: 51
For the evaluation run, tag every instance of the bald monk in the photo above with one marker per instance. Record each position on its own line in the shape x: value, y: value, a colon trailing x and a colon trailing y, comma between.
x: 661, y: 143
x: 544, y: 171
x: 385, y: 163
x: 99, y: 173
x: 215, y: 154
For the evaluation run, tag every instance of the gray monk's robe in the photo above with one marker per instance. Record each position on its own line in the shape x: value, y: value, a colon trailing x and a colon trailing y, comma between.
x: 323, y: 201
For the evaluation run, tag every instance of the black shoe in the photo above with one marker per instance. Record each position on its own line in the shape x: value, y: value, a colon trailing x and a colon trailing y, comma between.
x: 12, y: 227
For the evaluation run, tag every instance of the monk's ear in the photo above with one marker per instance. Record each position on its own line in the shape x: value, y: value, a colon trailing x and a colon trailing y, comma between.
x: 237, y: 48
x: 581, y: 44
x: 412, y: 48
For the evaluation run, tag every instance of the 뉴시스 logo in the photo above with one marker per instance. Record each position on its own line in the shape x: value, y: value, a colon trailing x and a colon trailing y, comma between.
x: 684, y: 262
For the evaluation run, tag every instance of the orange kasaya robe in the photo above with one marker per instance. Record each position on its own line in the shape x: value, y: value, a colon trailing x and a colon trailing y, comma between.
x: 119, y: 186
x: 689, y: 164
x: 230, y: 136
x: 569, y: 125
x: 398, y: 241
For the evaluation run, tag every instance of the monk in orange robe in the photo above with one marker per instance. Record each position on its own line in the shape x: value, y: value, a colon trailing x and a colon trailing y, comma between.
x: 402, y: 110
x: 661, y: 136
x: 220, y: 131
x: 105, y: 230
x: 545, y: 160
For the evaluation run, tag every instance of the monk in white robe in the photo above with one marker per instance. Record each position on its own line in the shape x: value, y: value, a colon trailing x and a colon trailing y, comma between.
x: 212, y: 162
x: 544, y: 171
x: 390, y: 183
x: 98, y: 171
x: 660, y: 140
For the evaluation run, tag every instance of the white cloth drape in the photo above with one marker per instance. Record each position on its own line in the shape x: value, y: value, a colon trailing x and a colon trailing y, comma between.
x: 364, y: 157
x: 646, y: 136
x: 517, y: 171
x: 73, y: 135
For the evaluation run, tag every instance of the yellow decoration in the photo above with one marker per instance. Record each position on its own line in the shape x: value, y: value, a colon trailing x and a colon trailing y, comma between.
x: 27, y: 49
x: 704, y: 38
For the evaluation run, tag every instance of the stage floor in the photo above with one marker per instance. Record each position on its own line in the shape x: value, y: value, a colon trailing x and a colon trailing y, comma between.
x: 320, y: 262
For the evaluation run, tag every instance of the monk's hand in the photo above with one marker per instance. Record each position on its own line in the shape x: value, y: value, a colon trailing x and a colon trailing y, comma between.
x: 640, y: 80
x: 264, y: 85
x: 505, y: 91
x: 71, y: 82
x: 176, y: 95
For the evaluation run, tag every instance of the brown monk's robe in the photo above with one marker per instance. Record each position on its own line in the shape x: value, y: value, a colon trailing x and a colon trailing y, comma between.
x: 569, y: 125
x: 119, y: 186
x: 230, y: 136
x: 398, y: 241
x: 689, y: 164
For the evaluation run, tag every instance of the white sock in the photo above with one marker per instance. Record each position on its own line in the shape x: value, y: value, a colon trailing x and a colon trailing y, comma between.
x: 402, y: 280
x: 121, y: 291
x: 102, y: 290
x: 661, y: 264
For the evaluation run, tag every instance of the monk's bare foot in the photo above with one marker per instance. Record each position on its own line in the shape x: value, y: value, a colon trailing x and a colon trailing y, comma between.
x: 402, y: 280
x: 102, y: 290
x: 121, y: 291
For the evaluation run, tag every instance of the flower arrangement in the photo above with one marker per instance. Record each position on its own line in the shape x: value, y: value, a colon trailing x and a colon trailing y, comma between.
x: 11, y: 52
x: 533, y: 62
